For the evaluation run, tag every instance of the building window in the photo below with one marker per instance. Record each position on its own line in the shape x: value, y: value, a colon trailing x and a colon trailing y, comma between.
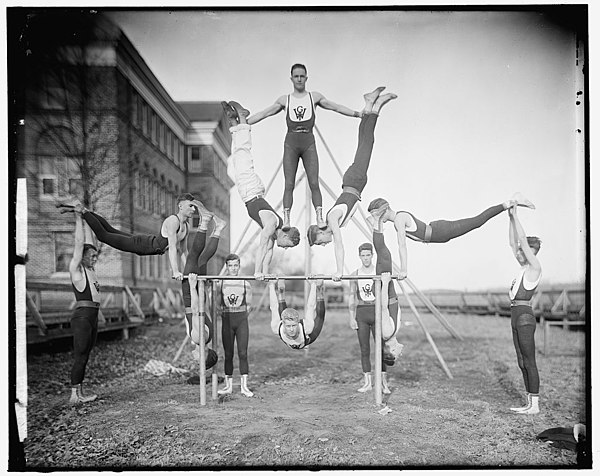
x: 195, y: 165
x: 136, y: 189
x: 181, y: 163
x: 134, y: 107
x: 161, y: 136
x: 63, y: 251
x: 145, y: 118
x: 140, y: 111
x: 153, y: 133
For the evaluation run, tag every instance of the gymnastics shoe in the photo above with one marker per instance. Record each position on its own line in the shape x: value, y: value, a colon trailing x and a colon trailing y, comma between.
x: 384, y: 385
x: 77, y: 396
x: 239, y: 109
x: 532, y: 409
x: 230, y: 113
x: 522, y: 201
x: 286, y: 220
x: 244, y: 386
x: 228, y: 386
x: 368, y: 385
x: 382, y: 100
x: 322, y: 224
x: 371, y: 97
x: 527, y: 405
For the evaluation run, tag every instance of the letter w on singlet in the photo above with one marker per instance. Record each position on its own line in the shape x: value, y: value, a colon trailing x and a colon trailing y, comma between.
x: 232, y: 298
x: 299, y: 111
x: 367, y: 290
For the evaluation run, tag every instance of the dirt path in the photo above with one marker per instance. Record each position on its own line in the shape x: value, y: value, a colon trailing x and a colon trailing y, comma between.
x: 306, y: 410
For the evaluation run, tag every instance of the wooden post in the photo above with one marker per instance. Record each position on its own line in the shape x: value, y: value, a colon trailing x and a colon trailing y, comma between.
x: 202, y: 343
x: 215, y: 334
x: 378, y: 343
x: 307, y: 253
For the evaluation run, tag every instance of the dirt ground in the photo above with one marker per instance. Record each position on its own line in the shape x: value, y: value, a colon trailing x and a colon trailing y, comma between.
x: 306, y: 412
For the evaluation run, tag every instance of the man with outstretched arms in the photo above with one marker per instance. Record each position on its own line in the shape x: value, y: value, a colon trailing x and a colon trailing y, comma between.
x: 286, y: 322
x: 300, y: 107
x: 252, y: 190
x: 353, y: 182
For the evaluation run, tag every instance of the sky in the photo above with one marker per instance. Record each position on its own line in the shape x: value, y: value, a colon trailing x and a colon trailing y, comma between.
x: 485, y: 108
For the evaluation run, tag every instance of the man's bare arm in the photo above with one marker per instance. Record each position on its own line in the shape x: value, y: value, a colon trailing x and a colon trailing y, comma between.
x: 171, y: 224
x: 332, y: 106
x: 274, y: 305
x: 75, y: 264
x: 400, y: 225
x: 273, y: 109
x: 311, y: 308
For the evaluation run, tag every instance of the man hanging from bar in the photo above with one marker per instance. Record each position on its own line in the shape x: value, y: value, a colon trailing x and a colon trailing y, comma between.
x: 195, y: 268
x: 286, y: 322
x: 252, y: 190
x: 353, y: 182
x: 173, y: 232
x: 439, y: 231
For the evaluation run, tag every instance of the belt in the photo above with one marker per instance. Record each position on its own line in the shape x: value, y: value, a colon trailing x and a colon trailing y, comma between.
x: 352, y: 190
x: 87, y: 304
x: 520, y: 302
x: 428, y: 232
x: 253, y: 199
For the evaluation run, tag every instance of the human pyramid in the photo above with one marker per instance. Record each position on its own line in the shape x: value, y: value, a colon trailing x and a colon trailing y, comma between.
x: 235, y: 296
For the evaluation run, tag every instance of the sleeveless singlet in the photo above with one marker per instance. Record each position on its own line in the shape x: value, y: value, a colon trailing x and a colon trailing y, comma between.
x: 233, y: 296
x: 364, y: 291
x: 178, y: 227
x: 300, y: 116
x: 299, y: 342
x: 418, y: 234
x: 519, y: 291
x: 347, y: 201
x: 89, y: 293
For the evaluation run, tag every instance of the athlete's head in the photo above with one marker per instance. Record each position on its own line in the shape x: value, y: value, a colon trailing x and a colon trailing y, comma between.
x: 365, y: 253
x: 534, y: 243
x: 392, y: 349
x: 377, y: 204
x: 232, y: 261
x: 291, y: 322
x: 316, y: 236
x: 287, y: 239
x: 90, y: 256
x: 299, y: 77
x: 185, y: 204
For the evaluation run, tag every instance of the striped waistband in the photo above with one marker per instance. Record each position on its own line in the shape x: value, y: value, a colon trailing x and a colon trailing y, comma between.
x: 519, y: 302
x: 87, y: 304
x: 253, y: 199
x: 352, y: 190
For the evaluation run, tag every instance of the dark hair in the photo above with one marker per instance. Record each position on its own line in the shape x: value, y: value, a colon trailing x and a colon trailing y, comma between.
x: 232, y: 257
x: 185, y: 196
x: 298, y: 65
x: 377, y: 203
x: 534, y: 242
x: 87, y: 247
x: 311, y: 234
x: 294, y: 235
x: 365, y: 247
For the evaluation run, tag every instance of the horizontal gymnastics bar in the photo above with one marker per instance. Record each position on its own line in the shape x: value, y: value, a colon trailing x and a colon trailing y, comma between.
x: 270, y: 277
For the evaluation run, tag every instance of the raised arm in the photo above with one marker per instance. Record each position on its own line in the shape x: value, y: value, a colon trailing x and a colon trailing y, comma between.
x: 333, y: 220
x: 274, y: 305
x: 311, y: 308
x: 513, y: 239
x: 75, y: 265
x: 400, y: 225
x: 534, y: 267
x: 273, y: 109
x: 171, y: 224
x: 332, y: 106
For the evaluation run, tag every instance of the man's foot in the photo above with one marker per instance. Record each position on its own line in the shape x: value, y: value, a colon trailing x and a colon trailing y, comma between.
x: 521, y: 201
x: 322, y: 224
x: 374, y: 224
x: 241, y: 111
x: 371, y: 97
x: 381, y: 100
x: 77, y: 396
x: 220, y: 224
x: 286, y: 220
x: 70, y: 204
x: 230, y: 113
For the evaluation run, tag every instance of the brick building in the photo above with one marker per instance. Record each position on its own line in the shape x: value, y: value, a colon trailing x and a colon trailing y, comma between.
x: 87, y: 97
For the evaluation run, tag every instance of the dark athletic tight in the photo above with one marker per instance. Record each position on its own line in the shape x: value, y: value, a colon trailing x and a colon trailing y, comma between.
x: 84, y: 325
x: 195, y: 262
x: 443, y: 231
x: 296, y: 145
x: 139, y: 243
x: 365, y: 315
x: 235, y: 327
x: 356, y: 175
x: 523, y: 324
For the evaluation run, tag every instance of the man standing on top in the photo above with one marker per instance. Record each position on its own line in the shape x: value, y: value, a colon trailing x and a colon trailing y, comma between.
x: 300, y: 108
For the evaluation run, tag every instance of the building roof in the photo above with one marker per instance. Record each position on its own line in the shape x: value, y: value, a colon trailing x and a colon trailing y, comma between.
x: 202, y: 110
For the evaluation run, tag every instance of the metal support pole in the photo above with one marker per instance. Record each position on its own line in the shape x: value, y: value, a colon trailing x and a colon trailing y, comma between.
x: 202, y: 342
x: 378, y: 345
x: 215, y: 334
